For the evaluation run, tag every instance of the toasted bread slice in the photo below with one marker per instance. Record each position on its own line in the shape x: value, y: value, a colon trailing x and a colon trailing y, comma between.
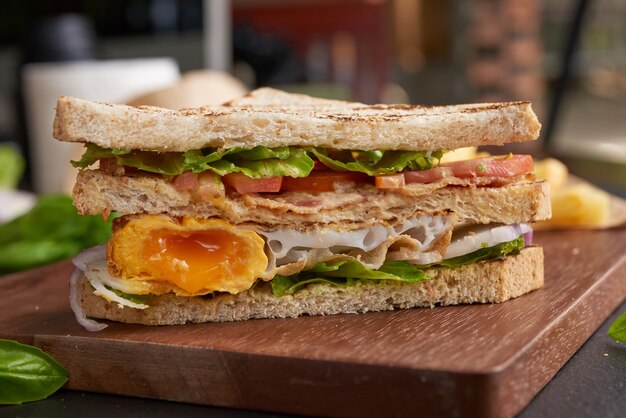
x: 272, y: 118
x: 97, y: 192
x: 268, y: 97
x: 484, y: 282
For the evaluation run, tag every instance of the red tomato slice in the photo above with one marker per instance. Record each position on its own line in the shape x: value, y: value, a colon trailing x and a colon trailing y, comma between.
x: 427, y: 176
x: 322, y: 181
x: 186, y: 181
x: 494, y: 167
x: 505, y: 166
x: 244, y: 184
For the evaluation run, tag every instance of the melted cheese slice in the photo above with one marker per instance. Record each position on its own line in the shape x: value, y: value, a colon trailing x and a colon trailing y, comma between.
x: 199, y: 256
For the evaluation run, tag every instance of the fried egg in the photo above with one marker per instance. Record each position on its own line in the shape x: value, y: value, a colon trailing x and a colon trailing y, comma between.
x: 199, y: 256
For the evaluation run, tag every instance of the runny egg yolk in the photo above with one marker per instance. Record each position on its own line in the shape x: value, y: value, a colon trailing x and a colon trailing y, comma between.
x: 187, y: 259
x: 196, y: 255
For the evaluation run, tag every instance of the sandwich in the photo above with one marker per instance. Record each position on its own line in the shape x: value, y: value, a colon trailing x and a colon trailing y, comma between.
x: 278, y: 205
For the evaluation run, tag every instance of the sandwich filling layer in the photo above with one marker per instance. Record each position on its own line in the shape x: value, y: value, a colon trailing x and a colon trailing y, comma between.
x: 208, y: 173
x: 156, y: 254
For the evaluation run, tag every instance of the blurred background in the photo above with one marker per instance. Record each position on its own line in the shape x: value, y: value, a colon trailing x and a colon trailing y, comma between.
x: 567, y: 56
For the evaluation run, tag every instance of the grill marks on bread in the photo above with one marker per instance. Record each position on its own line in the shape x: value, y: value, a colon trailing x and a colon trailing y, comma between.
x: 272, y: 118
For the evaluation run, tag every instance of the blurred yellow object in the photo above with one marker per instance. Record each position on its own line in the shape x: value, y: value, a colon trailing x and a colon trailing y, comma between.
x: 553, y: 171
x: 576, y: 203
x: 579, y: 205
x: 459, y: 154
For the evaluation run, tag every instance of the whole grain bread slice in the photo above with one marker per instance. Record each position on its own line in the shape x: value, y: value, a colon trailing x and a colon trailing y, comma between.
x: 272, y: 118
x: 484, y: 282
x: 97, y: 192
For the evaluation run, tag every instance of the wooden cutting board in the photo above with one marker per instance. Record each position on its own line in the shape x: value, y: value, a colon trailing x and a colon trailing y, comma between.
x: 479, y: 360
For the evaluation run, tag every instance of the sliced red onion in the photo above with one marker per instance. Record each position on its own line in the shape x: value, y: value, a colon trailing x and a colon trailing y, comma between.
x: 89, y: 256
x: 483, y: 236
x: 528, y: 238
x: 81, y: 316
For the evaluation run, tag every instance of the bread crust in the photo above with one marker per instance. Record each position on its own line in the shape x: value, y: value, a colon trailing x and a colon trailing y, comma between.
x: 96, y: 192
x: 273, y: 118
x: 485, y: 282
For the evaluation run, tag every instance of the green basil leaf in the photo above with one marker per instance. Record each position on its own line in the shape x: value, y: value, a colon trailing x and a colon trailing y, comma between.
x: 50, y: 231
x: 27, y: 373
x: 617, y: 331
x: 21, y: 255
x: 344, y: 273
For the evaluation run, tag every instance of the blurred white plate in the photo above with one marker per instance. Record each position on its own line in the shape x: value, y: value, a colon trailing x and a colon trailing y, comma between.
x: 15, y: 203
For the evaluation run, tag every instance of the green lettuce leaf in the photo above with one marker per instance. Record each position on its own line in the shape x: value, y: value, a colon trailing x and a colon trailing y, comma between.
x: 346, y: 273
x: 263, y: 153
x: 168, y: 163
x: 288, y: 285
x: 128, y: 296
x: 376, y: 163
x: 133, y: 298
x: 258, y: 162
x: 93, y: 153
x: 484, y: 254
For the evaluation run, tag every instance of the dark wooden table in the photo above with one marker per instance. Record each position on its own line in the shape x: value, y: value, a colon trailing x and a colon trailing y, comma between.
x: 591, y: 384
x: 478, y: 360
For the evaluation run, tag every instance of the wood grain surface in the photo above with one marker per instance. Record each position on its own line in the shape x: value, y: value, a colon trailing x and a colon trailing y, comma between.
x: 474, y: 360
